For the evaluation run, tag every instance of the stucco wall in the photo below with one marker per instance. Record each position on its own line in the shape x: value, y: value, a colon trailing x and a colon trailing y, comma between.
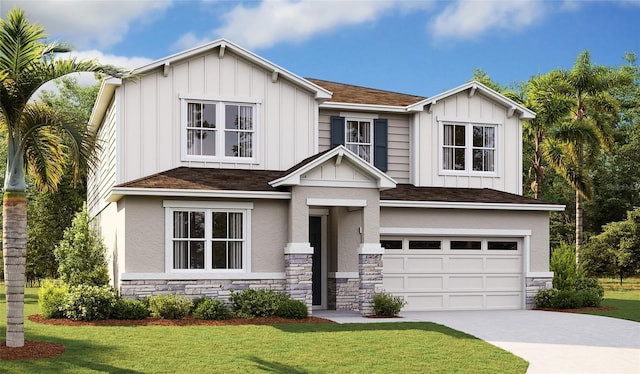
x: 536, y: 222
x: 145, y: 235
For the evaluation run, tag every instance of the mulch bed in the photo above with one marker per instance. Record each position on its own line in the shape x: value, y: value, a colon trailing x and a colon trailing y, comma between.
x: 34, y: 349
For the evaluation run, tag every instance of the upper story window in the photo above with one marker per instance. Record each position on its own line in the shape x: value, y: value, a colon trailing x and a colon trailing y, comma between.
x: 219, y: 130
x: 207, y: 237
x: 469, y: 148
x: 366, y: 137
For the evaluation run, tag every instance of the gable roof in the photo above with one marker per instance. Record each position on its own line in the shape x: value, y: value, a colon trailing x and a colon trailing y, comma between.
x: 473, y: 86
x: 293, y: 176
x: 348, y: 93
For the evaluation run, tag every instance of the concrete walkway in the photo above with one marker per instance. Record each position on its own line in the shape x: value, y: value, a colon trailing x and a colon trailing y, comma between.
x: 552, y: 342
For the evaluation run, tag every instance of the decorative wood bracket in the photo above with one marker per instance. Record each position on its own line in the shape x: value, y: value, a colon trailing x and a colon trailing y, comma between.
x: 274, y: 76
x: 165, y: 70
x: 222, y: 48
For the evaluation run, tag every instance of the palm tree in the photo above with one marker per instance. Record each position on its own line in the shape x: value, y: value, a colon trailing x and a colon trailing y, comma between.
x: 582, y: 136
x: 37, y: 140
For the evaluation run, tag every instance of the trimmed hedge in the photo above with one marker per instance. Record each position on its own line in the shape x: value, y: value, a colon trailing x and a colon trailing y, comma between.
x: 385, y: 304
x: 170, y: 306
x: 211, y: 309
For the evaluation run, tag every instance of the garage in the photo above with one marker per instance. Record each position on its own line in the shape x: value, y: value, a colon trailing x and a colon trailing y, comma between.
x: 454, y: 273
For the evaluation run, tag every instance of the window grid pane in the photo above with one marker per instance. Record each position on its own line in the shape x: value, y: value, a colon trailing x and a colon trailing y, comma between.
x: 239, y: 131
x: 358, y: 138
x: 483, y: 148
x: 454, y: 150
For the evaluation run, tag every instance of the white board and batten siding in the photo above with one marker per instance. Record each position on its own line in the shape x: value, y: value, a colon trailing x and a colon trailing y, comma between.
x: 397, y: 146
x: 447, y: 279
x: 101, y: 178
x: 151, y: 141
x: 478, y: 109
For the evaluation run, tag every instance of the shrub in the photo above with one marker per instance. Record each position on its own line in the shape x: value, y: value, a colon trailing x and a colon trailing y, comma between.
x: 591, y: 284
x: 294, y: 309
x: 81, y: 254
x: 51, y: 298
x: 567, y: 299
x: 590, y: 298
x: 563, y: 265
x: 89, y: 303
x: 545, y: 297
x: 211, y: 309
x: 196, y: 302
x: 385, y: 304
x: 169, y: 306
x: 130, y: 309
x: 256, y: 303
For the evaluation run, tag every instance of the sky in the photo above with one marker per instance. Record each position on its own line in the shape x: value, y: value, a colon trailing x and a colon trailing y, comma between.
x: 419, y: 47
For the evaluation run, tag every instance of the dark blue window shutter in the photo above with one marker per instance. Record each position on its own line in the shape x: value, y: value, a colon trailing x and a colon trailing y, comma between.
x: 337, y: 131
x: 380, y: 139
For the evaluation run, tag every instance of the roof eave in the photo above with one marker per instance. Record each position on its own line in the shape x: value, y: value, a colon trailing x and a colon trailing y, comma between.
x: 471, y: 205
x: 105, y: 94
x: 364, y: 107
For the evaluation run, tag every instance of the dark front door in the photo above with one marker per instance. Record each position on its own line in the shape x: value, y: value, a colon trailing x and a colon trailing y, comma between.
x: 315, y: 238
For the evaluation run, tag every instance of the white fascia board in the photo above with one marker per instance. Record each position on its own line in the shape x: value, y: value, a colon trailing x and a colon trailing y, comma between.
x: 364, y: 107
x: 320, y: 93
x: 337, y: 202
x: 197, y: 275
x: 107, y: 88
x: 476, y: 206
x: 526, y: 113
x: 293, y: 179
x: 118, y: 192
x: 419, y: 231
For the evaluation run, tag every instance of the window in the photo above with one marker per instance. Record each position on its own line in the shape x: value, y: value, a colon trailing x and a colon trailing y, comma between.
x: 209, y: 237
x: 469, y: 147
x: 216, y: 129
x: 425, y: 244
x: 391, y: 244
x: 366, y: 137
x: 502, y: 246
x: 358, y: 138
x: 466, y: 244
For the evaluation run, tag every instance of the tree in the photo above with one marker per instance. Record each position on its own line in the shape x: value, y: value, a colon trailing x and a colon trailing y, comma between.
x: 81, y: 254
x: 580, y: 138
x: 51, y: 212
x: 616, y: 249
x: 35, y: 141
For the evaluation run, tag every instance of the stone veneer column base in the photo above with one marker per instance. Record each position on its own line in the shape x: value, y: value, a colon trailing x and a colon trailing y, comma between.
x: 370, y: 270
x: 211, y: 288
x: 297, y: 268
x: 343, y: 293
x: 534, y: 284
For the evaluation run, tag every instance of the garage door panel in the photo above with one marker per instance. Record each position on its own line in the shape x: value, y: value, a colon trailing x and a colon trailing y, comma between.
x: 393, y: 264
x: 504, y: 265
x: 424, y: 264
x: 424, y: 302
x: 503, y: 283
x: 391, y: 283
x: 417, y: 282
x: 502, y: 301
x: 469, y: 282
x: 464, y: 264
x: 465, y: 301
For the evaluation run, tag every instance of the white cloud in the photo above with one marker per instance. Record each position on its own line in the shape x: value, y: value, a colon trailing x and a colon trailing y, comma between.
x: 470, y: 19
x: 274, y: 21
x: 88, y: 24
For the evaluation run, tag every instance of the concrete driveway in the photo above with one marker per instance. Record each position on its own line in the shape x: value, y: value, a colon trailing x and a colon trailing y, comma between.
x: 552, y: 342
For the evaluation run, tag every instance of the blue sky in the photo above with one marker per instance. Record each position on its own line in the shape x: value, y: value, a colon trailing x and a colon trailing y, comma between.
x: 419, y: 47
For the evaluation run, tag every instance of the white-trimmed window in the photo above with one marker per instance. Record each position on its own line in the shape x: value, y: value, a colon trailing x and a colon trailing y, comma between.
x: 207, y: 236
x: 219, y: 130
x: 469, y: 148
x: 359, y: 138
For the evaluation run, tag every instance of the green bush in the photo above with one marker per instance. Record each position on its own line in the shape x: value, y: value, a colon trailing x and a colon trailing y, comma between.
x: 51, y: 299
x: 567, y: 299
x: 211, y: 309
x: 256, y: 303
x: 591, y: 284
x: 169, y: 306
x: 196, y: 302
x: 590, y: 298
x: 545, y: 297
x: 81, y: 254
x: 294, y: 309
x: 385, y: 304
x: 130, y: 309
x: 89, y: 303
x: 563, y: 265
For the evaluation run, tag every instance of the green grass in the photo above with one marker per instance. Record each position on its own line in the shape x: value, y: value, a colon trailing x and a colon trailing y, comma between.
x: 625, y: 298
x: 287, y: 348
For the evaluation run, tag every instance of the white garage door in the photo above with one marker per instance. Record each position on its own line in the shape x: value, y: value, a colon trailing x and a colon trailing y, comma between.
x: 454, y: 273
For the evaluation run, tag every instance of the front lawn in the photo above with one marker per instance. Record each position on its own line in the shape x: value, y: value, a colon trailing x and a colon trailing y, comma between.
x: 625, y: 298
x: 287, y: 348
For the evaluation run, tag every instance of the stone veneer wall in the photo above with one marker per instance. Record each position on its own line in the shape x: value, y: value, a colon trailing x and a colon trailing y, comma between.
x: 216, y: 289
x: 533, y: 285
x: 370, y: 269
x: 343, y: 293
x: 297, y: 268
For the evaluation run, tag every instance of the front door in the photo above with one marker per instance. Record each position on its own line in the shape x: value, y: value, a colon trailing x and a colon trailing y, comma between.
x: 315, y: 239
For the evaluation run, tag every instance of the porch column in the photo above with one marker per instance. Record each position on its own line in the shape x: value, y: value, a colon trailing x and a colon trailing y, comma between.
x: 298, y: 253
x: 370, y: 258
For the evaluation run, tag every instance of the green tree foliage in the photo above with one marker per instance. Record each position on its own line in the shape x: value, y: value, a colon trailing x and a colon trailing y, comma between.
x: 51, y: 212
x: 81, y: 254
x: 616, y: 251
x: 564, y: 267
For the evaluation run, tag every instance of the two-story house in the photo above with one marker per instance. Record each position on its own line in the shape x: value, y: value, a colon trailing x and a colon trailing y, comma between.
x: 220, y: 171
